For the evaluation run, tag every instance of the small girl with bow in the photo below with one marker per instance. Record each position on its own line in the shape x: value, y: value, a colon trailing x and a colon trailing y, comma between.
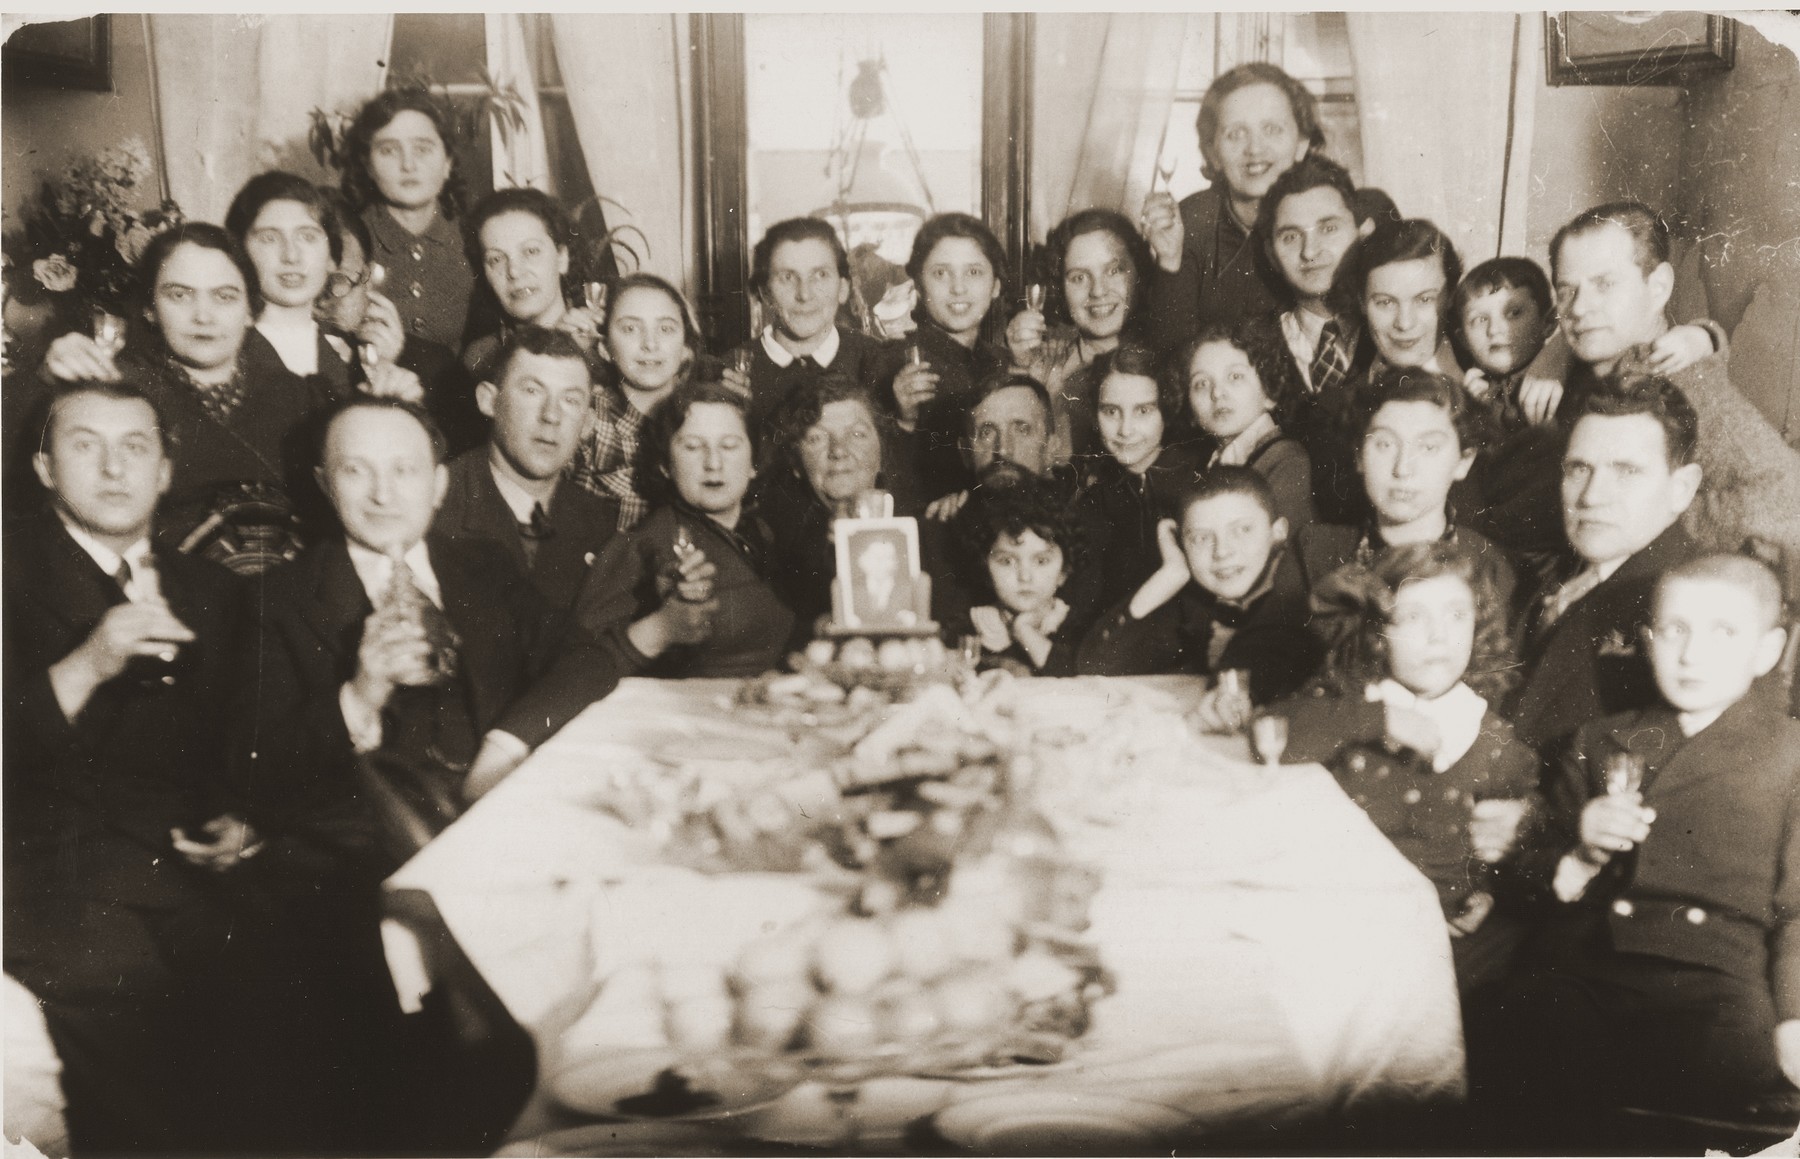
x: 1402, y: 717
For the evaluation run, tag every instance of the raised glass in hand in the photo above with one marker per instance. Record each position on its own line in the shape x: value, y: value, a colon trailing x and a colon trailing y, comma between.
x: 377, y: 275
x: 1034, y: 297
x: 1624, y: 773
x: 109, y: 332
x: 1234, y: 682
x: 593, y: 296
x: 741, y: 358
x: 1269, y: 735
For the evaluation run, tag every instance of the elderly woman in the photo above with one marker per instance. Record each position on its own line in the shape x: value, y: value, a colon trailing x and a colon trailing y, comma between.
x: 238, y: 435
x: 832, y: 445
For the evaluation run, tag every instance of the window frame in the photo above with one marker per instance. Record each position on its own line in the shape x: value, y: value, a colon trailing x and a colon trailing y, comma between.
x: 721, y: 156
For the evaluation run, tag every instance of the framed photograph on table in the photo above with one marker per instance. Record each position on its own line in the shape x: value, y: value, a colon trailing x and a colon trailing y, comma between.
x: 63, y: 54
x: 1636, y: 48
x: 878, y: 573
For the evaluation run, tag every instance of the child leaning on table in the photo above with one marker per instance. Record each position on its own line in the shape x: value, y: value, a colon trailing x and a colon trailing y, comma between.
x: 1228, y: 595
x: 1666, y: 972
x: 1402, y: 716
x: 1027, y: 547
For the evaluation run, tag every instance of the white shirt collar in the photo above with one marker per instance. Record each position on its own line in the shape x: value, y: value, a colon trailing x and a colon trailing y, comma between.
x: 1693, y: 722
x: 1237, y: 452
x: 514, y: 496
x: 781, y: 356
x: 376, y: 571
x: 143, y: 571
x: 298, y: 345
x: 1457, y: 713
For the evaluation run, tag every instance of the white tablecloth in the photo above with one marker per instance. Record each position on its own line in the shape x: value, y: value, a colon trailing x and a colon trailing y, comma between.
x: 1274, y: 954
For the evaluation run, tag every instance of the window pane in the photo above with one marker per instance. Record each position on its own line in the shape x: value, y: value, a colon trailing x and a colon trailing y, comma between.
x: 447, y: 49
x: 871, y: 120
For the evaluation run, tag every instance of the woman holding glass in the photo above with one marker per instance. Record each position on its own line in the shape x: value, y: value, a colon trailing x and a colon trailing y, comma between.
x: 289, y: 229
x: 1255, y: 121
x: 1097, y: 265
x: 958, y: 266
x: 698, y: 454
x: 236, y: 434
x: 519, y: 240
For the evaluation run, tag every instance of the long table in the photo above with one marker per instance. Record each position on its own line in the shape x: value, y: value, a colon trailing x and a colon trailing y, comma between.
x: 1275, y: 956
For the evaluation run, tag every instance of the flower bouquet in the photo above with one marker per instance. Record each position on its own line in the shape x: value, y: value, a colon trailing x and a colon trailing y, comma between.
x: 81, y: 236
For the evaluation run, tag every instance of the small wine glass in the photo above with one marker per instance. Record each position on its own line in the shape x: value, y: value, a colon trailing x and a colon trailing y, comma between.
x: 742, y: 358
x: 684, y: 543
x: 369, y: 355
x: 109, y: 332
x: 377, y: 276
x: 593, y: 296
x: 1269, y: 735
x: 1034, y: 297
x: 968, y: 650
x: 1624, y: 773
x: 1234, y: 682
x: 914, y: 356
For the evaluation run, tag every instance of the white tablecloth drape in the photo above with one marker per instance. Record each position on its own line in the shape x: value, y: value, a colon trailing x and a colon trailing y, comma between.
x: 1274, y: 954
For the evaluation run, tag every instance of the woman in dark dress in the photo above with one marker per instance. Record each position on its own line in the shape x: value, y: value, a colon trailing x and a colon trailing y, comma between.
x: 958, y: 266
x: 238, y: 432
x: 698, y: 456
x: 1137, y: 483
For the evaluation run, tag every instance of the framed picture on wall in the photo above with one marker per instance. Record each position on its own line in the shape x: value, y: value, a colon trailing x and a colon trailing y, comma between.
x: 62, y: 54
x: 1636, y: 48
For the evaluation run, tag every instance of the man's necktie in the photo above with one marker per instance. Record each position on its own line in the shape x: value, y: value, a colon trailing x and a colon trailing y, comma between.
x: 533, y: 532
x: 1331, y: 359
x: 122, y: 576
x: 405, y: 591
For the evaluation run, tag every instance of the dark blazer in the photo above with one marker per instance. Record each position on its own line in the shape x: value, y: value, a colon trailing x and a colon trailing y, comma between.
x: 1224, y: 275
x: 581, y: 524
x: 1319, y: 421
x: 1325, y: 547
x: 943, y: 422
x: 751, y: 628
x: 89, y: 803
x: 1717, y: 882
x: 863, y: 360
x: 1271, y: 637
x: 1591, y: 662
x: 1122, y: 511
x: 292, y: 750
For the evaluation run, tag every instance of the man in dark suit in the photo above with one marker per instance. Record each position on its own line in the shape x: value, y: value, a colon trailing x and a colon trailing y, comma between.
x: 384, y: 654
x: 511, y: 491
x: 1306, y: 224
x: 388, y: 642
x: 1667, y: 969
x: 1628, y: 474
x: 118, y: 834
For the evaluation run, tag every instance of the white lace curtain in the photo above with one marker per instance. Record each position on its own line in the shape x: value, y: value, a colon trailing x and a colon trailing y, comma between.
x: 627, y: 78
x: 1438, y: 95
x: 234, y: 94
x: 1101, y: 100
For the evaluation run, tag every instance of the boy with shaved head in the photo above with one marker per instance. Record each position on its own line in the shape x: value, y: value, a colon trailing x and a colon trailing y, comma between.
x: 1667, y: 972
